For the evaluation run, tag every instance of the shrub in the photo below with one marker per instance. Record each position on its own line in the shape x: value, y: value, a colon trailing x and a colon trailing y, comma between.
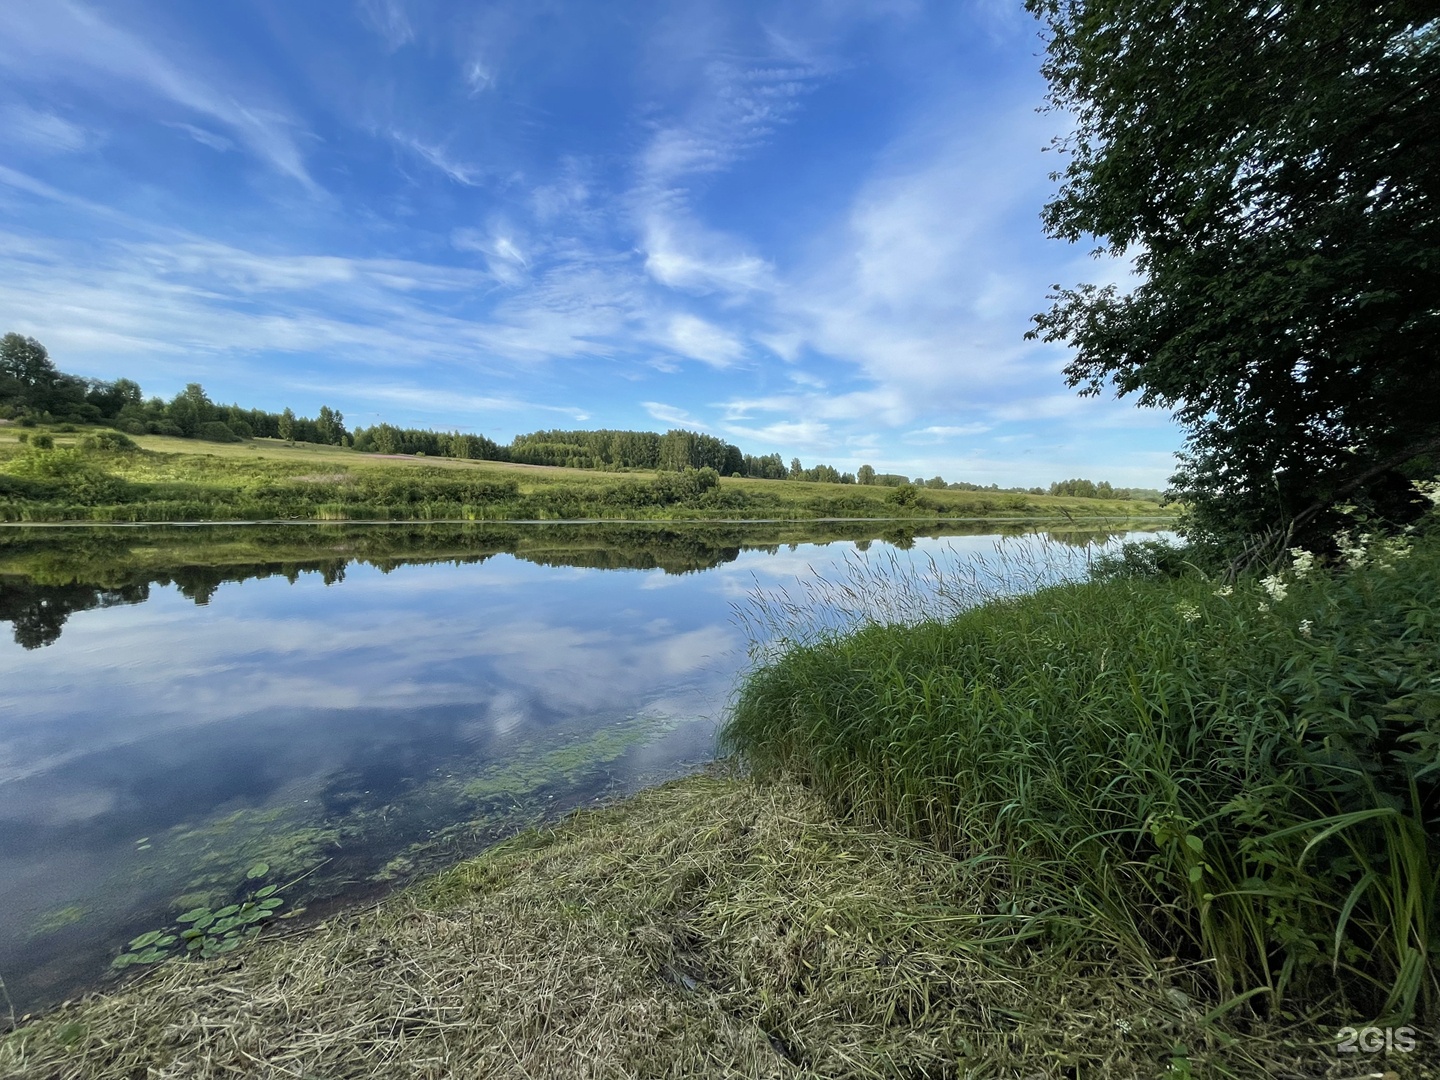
x: 1143, y: 559
x: 108, y: 441
x: 43, y: 441
x: 904, y: 495
x: 67, y: 473
x: 133, y: 427
x: 216, y: 431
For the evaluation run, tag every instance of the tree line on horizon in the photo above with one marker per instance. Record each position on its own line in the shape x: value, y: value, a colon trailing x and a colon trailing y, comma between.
x: 34, y: 390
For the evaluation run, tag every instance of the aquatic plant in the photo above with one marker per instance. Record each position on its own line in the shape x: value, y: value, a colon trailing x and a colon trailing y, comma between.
x: 204, y: 933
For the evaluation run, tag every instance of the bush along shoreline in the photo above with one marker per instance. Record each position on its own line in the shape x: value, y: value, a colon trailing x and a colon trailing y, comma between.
x: 1243, y: 775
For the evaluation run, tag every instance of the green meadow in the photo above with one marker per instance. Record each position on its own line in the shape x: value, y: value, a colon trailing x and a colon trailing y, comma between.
x: 95, y: 477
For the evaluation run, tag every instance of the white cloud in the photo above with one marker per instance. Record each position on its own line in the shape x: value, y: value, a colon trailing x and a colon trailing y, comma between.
x: 669, y: 414
x: 448, y: 401
x: 882, y: 403
x: 62, y: 40
x: 388, y: 19
x: 793, y: 436
x: 693, y: 337
x: 479, y: 76
x: 205, y: 138
x: 503, y: 256
x: 683, y: 255
x: 944, y: 432
x: 737, y: 108
x: 42, y: 130
x: 439, y: 156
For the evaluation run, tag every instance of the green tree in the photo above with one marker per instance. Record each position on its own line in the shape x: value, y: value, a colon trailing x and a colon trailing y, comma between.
x: 28, y: 377
x: 111, y: 397
x: 330, y: 425
x: 866, y: 475
x: 287, y: 426
x: 190, y: 408
x: 1274, y: 170
x: 27, y: 361
x: 797, y: 471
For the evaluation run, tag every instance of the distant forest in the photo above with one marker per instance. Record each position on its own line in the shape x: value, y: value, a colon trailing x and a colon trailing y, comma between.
x: 33, y: 390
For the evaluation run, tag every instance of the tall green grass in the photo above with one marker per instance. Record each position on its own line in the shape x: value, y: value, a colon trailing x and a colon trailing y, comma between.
x: 1244, y: 777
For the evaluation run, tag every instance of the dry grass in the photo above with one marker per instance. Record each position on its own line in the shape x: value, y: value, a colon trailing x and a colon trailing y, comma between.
x: 705, y: 928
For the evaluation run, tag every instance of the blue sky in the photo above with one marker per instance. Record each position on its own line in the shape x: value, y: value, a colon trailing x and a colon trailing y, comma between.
x: 811, y: 228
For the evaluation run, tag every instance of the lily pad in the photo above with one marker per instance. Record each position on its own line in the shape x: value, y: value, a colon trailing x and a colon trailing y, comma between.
x: 259, y: 870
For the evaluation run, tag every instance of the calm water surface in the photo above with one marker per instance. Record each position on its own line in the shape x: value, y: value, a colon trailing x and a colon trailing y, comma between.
x: 189, y: 716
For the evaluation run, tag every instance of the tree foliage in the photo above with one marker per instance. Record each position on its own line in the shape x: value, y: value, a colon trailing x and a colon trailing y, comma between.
x: 1273, y: 170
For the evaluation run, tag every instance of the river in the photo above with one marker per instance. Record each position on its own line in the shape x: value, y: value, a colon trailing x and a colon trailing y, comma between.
x: 196, y: 717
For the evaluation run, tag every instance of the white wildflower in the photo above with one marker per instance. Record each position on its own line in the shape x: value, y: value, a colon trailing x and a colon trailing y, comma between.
x: 1305, y: 627
x: 1188, y: 611
x: 1302, y: 561
x: 1352, y: 551
x: 1264, y: 608
x: 1224, y: 590
x: 1275, y: 587
x: 1430, y: 489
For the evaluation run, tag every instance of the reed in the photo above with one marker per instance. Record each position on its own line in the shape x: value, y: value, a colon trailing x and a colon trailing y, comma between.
x: 1243, y: 776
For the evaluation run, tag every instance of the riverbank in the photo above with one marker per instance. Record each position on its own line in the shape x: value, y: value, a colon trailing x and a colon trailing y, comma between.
x: 1239, y: 775
x: 87, y: 478
x: 709, y: 927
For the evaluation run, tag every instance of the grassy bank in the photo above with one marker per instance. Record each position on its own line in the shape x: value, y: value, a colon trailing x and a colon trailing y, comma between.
x: 166, y: 479
x: 1245, y: 777
x: 710, y: 927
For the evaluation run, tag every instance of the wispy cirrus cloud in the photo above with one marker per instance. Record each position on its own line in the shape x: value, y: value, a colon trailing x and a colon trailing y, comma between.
x: 65, y: 41
x: 440, y: 157
x: 41, y: 130
x: 691, y: 336
x: 389, y: 20
x: 423, y: 398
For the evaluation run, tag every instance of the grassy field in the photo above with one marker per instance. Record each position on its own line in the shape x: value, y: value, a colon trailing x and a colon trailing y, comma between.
x: 169, y: 479
x: 710, y: 927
